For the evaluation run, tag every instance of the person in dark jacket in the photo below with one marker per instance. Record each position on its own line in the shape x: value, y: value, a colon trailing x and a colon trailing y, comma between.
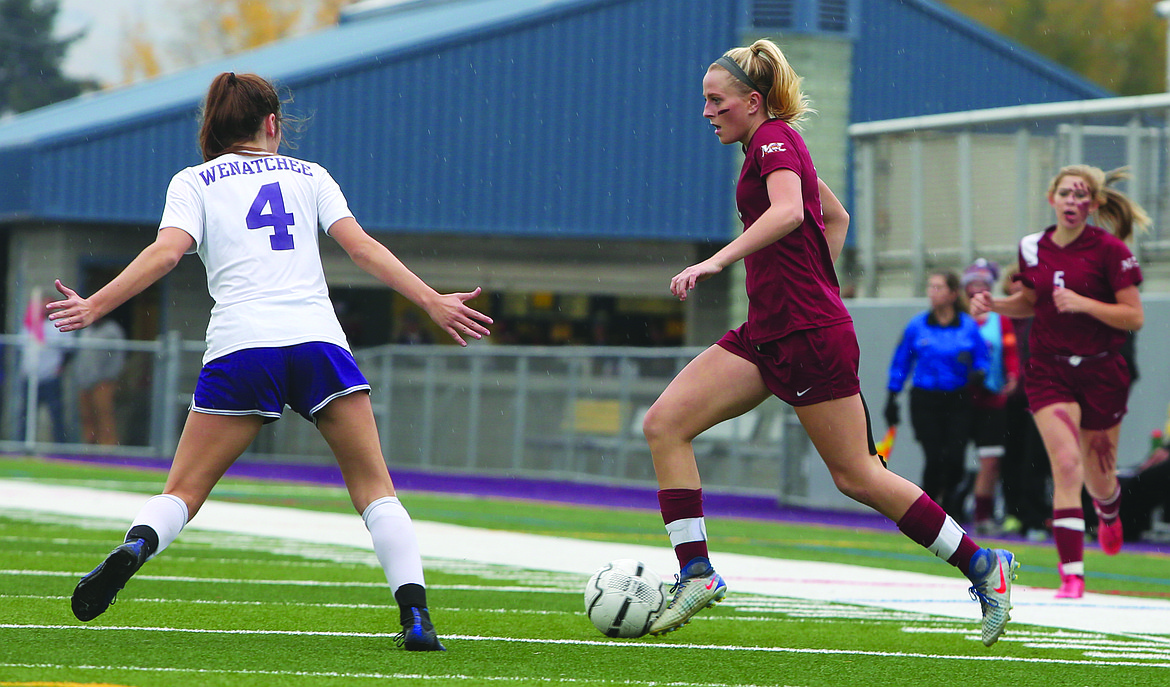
x: 945, y: 352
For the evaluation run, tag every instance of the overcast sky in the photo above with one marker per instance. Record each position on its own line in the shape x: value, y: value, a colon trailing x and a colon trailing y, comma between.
x: 96, y: 56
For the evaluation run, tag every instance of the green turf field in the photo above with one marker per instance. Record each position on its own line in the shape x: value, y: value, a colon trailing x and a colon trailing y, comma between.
x: 240, y: 610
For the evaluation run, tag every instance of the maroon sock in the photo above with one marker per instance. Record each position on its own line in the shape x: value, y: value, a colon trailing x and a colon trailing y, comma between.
x: 984, y: 508
x: 679, y: 504
x: 1110, y: 508
x: 1070, y: 538
x: 925, y: 521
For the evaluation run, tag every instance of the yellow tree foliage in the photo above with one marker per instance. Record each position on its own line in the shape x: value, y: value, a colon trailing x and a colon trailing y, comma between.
x: 216, y: 28
x: 137, y: 54
x: 1118, y: 44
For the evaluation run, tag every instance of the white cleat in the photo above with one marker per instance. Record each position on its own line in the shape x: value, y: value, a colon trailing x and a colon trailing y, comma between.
x: 698, y: 586
x: 995, y: 570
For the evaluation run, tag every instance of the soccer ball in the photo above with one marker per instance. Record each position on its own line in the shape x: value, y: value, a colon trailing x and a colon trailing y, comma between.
x: 623, y: 598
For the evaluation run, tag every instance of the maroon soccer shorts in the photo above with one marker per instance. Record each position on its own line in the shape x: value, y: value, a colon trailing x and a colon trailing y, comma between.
x: 806, y: 367
x: 1099, y: 385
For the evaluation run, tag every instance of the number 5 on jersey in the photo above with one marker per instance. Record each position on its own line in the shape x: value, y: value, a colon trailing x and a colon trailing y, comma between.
x: 1057, y: 278
x: 270, y: 197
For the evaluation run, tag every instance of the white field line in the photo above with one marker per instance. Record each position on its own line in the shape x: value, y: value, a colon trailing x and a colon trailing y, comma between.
x: 299, y: 583
x: 372, y: 676
x: 631, y: 645
x: 890, y: 589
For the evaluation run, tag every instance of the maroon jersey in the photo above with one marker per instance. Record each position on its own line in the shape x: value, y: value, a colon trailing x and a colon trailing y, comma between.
x: 1097, y: 265
x: 791, y: 284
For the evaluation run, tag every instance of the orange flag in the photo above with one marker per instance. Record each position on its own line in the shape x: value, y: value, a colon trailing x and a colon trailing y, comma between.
x: 887, y: 444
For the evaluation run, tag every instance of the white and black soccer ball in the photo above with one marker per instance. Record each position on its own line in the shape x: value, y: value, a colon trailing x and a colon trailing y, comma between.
x: 623, y: 598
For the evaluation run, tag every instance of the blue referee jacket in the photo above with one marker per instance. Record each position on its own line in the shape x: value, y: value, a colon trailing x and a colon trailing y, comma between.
x: 942, y: 357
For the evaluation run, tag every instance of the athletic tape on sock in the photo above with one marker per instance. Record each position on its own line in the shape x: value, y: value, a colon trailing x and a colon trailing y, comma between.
x: 687, y: 530
x: 948, y: 539
x: 1077, y: 524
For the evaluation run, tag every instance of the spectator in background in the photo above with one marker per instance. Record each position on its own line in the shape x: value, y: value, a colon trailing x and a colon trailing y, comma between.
x: 1024, y: 468
x: 989, y: 399
x: 42, y: 360
x: 96, y: 372
x: 945, y: 351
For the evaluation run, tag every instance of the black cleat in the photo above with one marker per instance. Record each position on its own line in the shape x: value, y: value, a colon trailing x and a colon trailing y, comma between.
x: 418, y: 634
x: 96, y: 591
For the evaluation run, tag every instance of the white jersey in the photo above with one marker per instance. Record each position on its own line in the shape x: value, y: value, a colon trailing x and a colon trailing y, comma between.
x: 254, y: 219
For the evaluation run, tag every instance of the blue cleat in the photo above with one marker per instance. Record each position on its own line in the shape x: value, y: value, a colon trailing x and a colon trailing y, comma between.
x: 418, y: 634
x: 96, y: 591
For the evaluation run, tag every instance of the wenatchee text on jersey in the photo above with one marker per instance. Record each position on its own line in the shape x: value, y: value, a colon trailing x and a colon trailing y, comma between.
x: 260, y: 164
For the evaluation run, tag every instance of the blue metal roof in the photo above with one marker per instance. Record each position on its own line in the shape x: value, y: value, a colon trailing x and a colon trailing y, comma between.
x: 919, y: 57
x: 546, y: 118
x: 565, y: 118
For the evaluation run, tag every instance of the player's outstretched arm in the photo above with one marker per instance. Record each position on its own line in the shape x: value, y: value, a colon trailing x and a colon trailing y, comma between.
x: 153, y: 263
x: 448, y: 310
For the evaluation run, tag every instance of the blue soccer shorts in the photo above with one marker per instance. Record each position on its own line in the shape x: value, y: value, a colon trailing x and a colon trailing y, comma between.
x: 262, y: 381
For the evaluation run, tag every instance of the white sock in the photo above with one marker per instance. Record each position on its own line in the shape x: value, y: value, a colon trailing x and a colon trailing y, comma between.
x: 166, y: 515
x: 395, y: 542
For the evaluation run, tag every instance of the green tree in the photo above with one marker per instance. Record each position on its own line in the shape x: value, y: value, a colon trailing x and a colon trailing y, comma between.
x: 30, y: 57
x: 1118, y: 44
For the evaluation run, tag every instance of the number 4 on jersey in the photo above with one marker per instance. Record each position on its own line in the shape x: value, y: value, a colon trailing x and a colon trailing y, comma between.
x: 270, y: 197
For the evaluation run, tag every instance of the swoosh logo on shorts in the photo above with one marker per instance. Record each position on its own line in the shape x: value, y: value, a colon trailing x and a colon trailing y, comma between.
x: 802, y: 393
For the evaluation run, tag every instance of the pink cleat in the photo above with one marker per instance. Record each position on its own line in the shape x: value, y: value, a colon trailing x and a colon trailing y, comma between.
x: 1109, y: 536
x: 1071, y: 587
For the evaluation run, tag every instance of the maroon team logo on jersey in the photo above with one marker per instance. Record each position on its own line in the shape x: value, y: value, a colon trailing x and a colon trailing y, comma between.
x: 777, y: 147
x: 1129, y: 263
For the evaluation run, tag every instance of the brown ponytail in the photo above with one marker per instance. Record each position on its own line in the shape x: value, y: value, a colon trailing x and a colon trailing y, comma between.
x: 234, y: 111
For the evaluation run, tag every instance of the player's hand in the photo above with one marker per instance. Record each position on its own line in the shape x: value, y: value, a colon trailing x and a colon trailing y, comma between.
x: 1068, y: 301
x: 71, y: 312
x: 450, y: 312
x: 687, y: 279
x: 980, y: 304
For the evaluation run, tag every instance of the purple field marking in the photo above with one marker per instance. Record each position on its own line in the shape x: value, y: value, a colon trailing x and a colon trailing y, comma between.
x: 583, y: 493
x: 715, y: 504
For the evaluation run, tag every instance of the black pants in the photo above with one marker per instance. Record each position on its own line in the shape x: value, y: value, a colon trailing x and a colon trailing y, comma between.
x: 1024, y: 468
x: 942, y: 425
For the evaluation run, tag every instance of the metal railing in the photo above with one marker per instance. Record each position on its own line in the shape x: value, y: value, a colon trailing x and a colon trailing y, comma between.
x: 565, y: 412
x: 940, y: 190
